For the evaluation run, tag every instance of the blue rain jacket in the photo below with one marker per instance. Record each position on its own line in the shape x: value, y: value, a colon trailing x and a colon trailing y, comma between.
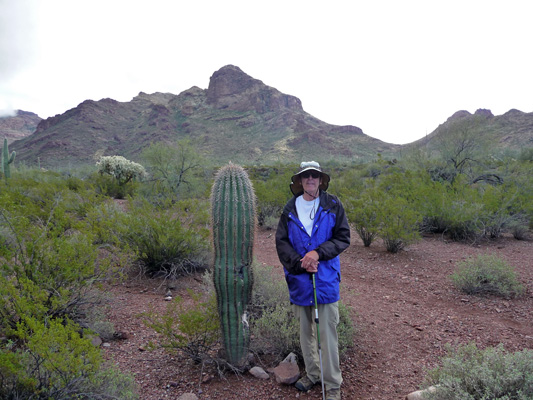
x: 329, y: 238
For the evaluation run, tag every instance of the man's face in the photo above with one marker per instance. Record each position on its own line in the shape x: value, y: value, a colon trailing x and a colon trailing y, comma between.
x: 310, y: 181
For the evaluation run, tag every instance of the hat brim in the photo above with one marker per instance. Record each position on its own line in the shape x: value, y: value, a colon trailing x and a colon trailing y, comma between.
x: 296, y: 182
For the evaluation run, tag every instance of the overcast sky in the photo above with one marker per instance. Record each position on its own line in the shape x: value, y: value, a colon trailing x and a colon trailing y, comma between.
x: 396, y: 69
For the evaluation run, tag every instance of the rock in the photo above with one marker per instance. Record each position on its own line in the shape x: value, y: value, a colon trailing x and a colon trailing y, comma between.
x: 287, y: 372
x: 188, y: 396
x: 96, y: 340
x: 259, y: 372
x: 419, y: 393
x: 291, y: 358
x: 168, y: 298
x: 120, y: 335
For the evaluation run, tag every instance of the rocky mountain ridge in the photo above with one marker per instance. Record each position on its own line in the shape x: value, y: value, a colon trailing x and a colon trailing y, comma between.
x: 236, y: 118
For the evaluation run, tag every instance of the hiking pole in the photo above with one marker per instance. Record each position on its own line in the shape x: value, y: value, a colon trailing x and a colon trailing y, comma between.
x: 318, y: 340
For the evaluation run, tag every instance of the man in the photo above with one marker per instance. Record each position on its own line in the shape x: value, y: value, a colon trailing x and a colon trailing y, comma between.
x: 312, y: 232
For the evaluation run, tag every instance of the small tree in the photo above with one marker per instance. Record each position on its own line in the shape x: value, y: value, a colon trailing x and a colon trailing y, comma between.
x: 171, y: 165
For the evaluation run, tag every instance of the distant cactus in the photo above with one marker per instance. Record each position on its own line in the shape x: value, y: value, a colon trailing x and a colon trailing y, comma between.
x: 7, y: 160
x: 233, y: 220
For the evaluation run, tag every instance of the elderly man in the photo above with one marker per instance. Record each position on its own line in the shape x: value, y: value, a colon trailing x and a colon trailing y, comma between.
x: 312, y: 232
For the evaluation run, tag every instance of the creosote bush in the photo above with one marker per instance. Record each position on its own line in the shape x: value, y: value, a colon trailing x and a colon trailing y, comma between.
x: 168, y: 242
x: 469, y: 373
x: 487, y: 274
x: 54, y: 361
x: 192, y: 330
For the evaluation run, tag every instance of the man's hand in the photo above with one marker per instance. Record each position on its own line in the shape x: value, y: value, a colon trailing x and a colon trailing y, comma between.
x: 310, y: 262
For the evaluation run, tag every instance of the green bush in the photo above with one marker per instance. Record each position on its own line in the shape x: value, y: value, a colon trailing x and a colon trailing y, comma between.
x: 519, y: 226
x: 53, y: 361
x: 399, y: 225
x: 168, y: 242
x: 273, y: 327
x: 271, y: 194
x: 487, y: 274
x: 46, y: 271
x: 363, y: 215
x: 192, y: 330
x: 469, y: 373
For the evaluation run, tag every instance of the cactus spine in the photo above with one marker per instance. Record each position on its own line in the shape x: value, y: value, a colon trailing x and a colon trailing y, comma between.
x: 233, y: 220
x: 6, y: 160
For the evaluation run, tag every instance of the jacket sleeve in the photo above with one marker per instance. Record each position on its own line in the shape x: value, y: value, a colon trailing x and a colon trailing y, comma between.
x: 340, y: 239
x: 288, y: 257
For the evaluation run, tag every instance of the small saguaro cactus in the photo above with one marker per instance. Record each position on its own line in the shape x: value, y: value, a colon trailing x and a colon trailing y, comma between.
x: 7, y: 159
x: 233, y: 222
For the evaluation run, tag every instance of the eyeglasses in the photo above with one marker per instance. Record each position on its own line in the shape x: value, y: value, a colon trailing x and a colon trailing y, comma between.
x: 311, y: 173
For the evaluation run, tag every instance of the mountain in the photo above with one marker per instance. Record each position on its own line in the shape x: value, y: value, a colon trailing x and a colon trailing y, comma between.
x: 236, y: 118
x: 510, y: 131
x: 18, y: 126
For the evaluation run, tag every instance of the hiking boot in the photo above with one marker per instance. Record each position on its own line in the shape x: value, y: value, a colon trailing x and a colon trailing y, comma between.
x: 304, y: 384
x: 333, y: 394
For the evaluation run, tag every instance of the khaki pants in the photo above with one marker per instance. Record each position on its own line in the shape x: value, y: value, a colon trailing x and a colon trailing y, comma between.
x: 328, y: 315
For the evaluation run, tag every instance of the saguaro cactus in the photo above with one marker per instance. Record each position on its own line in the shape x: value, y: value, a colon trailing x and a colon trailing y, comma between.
x: 233, y: 219
x: 7, y: 159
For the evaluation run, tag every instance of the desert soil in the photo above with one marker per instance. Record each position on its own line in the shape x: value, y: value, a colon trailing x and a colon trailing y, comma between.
x: 403, y: 305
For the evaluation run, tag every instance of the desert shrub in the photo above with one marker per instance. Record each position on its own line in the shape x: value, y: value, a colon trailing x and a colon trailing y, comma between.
x: 469, y: 373
x: 463, y: 222
x: 34, y: 195
x: 526, y: 154
x: 487, y: 274
x: 399, y: 223
x: 519, y: 226
x: 362, y: 213
x: 45, y: 270
x: 53, y: 361
x: 272, y: 324
x: 272, y: 194
x: 168, y: 242
x: 190, y: 329
x: 385, y: 207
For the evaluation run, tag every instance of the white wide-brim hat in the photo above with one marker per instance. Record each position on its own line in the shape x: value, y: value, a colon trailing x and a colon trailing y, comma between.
x: 296, y: 180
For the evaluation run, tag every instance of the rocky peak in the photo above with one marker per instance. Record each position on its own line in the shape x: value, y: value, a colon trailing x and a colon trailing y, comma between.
x: 483, y: 112
x: 231, y: 88
x: 458, y: 115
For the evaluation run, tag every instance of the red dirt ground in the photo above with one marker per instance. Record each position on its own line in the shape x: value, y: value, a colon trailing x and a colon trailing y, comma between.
x: 403, y: 305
